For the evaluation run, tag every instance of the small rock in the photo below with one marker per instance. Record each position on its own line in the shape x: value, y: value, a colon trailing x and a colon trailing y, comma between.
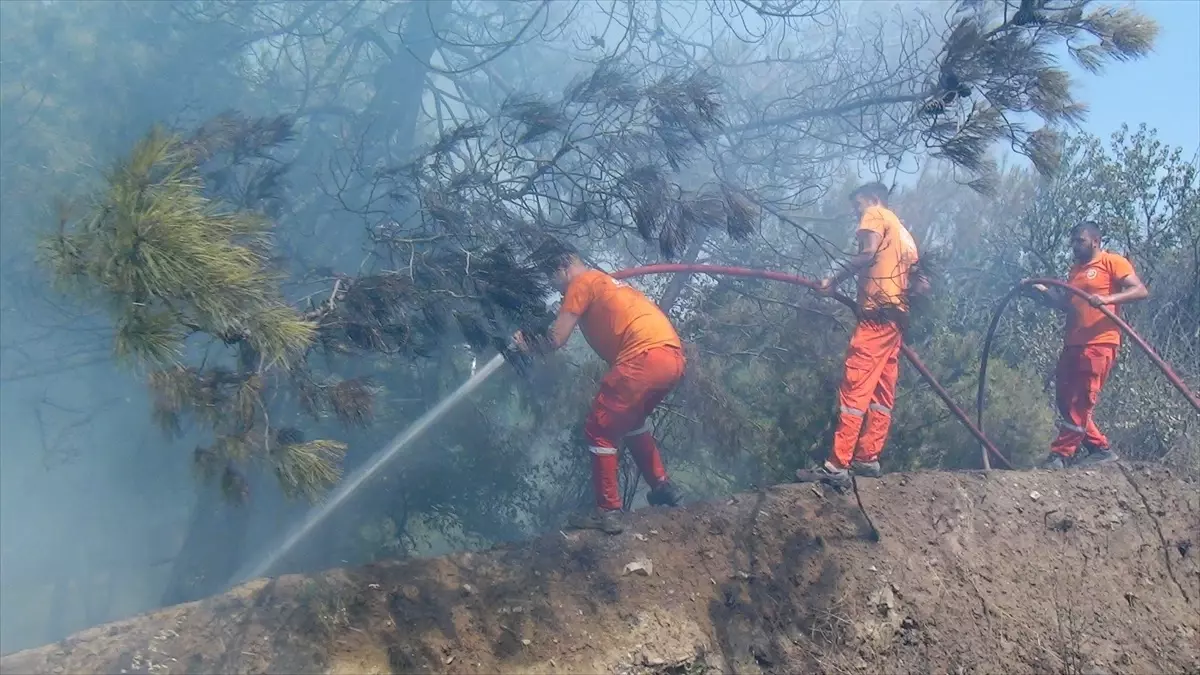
x: 651, y: 659
x: 639, y: 536
x: 449, y: 660
x: 642, y: 566
x: 525, y: 642
x: 1035, y: 495
x: 883, y: 600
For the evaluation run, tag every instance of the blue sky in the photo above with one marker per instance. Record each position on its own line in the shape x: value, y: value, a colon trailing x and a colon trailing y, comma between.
x: 1162, y: 90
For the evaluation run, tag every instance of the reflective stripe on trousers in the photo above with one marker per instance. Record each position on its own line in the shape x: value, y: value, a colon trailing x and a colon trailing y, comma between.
x: 867, y: 393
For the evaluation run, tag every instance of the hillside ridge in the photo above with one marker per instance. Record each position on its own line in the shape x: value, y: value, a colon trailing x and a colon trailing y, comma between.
x: 1004, y: 572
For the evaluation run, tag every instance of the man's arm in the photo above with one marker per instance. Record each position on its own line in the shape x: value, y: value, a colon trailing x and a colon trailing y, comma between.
x: 1053, y: 297
x: 556, y: 337
x: 1132, y: 290
x: 868, y: 246
x: 560, y: 330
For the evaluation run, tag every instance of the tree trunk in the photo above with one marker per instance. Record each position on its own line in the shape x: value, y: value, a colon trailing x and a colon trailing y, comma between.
x: 97, y: 596
x: 675, y: 286
x: 400, y: 85
x: 212, y: 550
x: 57, y: 623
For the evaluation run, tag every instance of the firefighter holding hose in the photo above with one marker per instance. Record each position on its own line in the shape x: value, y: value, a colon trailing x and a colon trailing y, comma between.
x: 645, y: 357
x: 1090, y: 344
x: 887, y: 254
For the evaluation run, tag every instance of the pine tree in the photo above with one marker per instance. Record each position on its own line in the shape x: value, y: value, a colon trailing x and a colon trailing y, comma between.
x: 182, y: 271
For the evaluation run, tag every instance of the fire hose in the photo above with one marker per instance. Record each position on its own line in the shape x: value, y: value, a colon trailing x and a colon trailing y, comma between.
x: 715, y: 270
x: 1125, y: 328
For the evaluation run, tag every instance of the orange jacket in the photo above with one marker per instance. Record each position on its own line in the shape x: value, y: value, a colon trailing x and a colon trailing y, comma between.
x: 616, y: 319
x: 1086, y: 325
x: 884, y: 283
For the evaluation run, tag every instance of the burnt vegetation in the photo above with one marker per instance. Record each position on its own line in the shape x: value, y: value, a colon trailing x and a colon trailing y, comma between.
x: 298, y: 287
x: 601, y: 161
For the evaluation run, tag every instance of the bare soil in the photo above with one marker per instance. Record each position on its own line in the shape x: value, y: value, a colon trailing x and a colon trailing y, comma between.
x: 1069, y: 572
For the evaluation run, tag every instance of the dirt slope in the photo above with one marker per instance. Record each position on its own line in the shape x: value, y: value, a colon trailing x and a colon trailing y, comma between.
x: 1079, y: 572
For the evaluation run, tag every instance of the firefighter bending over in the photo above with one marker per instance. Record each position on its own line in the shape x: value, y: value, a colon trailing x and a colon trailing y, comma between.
x: 1090, y: 344
x: 645, y: 357
x: 886, y: 256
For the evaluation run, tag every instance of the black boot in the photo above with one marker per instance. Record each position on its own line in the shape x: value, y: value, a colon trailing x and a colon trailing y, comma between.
x: 664, y: 495
x: 604, y: 520
x: 1053, y: 462
x: 866, y: 469
x: 825, y: 473
x: 1097, y: 457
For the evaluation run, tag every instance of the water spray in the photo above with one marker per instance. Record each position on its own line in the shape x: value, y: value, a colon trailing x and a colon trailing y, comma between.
x: 365, y: 472
x: 1128, y: 330
x: 423, y: 423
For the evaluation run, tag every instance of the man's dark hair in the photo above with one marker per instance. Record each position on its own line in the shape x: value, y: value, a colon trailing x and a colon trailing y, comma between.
x: 1089, y: 226
x: 553, y: 255
x: 877, y: 191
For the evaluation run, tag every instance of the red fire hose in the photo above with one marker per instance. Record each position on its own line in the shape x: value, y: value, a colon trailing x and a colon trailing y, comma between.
x: 1125, y: 328
x: 715, y: 270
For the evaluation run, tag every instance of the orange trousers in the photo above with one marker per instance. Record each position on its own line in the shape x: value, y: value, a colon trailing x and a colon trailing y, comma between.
x: 1078, y: 379
x: 868, y: 393
x: 621, y: 410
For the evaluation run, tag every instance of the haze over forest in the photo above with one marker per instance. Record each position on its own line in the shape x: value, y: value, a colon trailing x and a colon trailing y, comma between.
x: 174, y: 396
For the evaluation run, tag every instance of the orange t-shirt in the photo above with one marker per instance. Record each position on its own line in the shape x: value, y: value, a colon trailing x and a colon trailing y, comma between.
x: 616, y: 319
x: 884, y: 283
x: 1102, y: 276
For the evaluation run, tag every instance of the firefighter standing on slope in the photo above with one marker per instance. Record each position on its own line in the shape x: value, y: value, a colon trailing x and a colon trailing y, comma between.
x: 886, y: 256
x: 645, y: 356
x: 1090, y: 344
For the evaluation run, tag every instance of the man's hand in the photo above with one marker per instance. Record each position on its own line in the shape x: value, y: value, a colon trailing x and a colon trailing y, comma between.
x: 520, y: 343
x: 1099, y: 300
x: 826, y: 286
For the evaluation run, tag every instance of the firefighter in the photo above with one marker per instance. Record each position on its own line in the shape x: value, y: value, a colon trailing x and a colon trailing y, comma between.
x: 1090, y: 344
x: 645, y: 358
x: 886, y: 256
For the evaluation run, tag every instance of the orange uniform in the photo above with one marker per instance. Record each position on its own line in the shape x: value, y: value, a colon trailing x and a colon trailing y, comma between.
x: 885, y: 282
x: 868, y: 390
x: 645, y: 353
x: 1089, y: 352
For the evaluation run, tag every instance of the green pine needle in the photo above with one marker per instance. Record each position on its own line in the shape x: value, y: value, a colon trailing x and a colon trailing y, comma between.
x: 309, y: 468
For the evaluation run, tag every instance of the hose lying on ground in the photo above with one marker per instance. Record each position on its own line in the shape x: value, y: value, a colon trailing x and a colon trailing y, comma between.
x: 1125, y: 328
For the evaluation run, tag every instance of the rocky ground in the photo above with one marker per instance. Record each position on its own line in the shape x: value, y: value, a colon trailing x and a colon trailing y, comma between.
x: 1035, y: 572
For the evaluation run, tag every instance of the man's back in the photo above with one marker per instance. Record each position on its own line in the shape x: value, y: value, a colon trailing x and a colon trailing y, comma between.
x: 885, y: 283
x: 617, y: 320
